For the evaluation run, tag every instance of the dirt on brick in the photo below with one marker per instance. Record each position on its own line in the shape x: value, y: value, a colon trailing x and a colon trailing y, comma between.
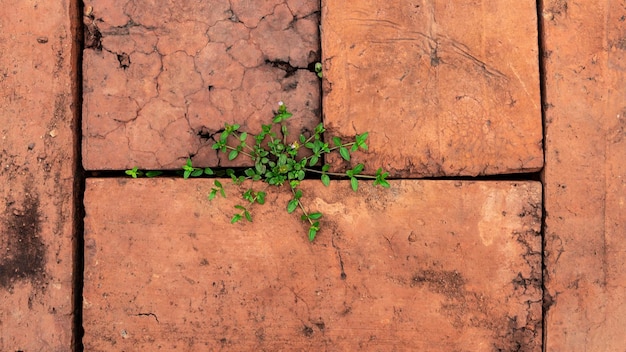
x: 37, y: 164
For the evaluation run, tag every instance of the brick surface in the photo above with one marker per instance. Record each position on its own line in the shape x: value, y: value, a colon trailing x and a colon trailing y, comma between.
x: 37, y: 160
x: 426, y: 265
x: 161, y: 78
x: 444, y: 88
x: 585, y: 175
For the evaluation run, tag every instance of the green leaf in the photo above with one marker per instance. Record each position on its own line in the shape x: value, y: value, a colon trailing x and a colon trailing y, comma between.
x: 196, y: 172
x: 298, y: 194
x: 326, y: 167
x: 224, y: 136
x: 248, y: 196
x: 153, y: 173
x: 344, y: 153
x: 318, y: 67
x: 247, y: 215
x: 235, y: 218
x: 325, y: 180
x: 132, y: 172
x: 360, y: 138
x: 337, y: 141
x: 240, y: 207
x: 233, y: 154
x: 260, y: 197
x: 213, y: 193
x: 358, y: 168
x: 314, y: 160
x: 282, y: 117
x: 312, y: 233
x: 354, y: 183
x: 186, y: 174
x: 291, y: 207
x: 315, y: 216
x: 218, y: 184
x: 381, y: 178
x: 243, y: 136
x: 313, y: 230
x: 208, y: 171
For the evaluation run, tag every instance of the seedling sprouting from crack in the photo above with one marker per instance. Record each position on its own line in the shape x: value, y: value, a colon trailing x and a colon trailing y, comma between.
x: 277, y: 162
x: 135, y: 172
x: 318, y: 69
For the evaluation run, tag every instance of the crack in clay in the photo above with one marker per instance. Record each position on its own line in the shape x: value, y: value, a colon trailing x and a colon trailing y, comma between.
x: 149, y: 314
x: 343, y: 275
x: 228, y: 68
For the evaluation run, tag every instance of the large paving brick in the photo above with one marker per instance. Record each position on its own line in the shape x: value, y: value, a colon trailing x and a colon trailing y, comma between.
x: 160, y: 78
x: 37, y: 158
x: 585, y: 175
x: 443, y: 88
x: 425, y: 265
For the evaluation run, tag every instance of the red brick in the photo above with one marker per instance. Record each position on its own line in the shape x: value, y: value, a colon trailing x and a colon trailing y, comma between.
x: 425, y: 265
x: 161, y: 76
x: 443, y: 88
x: 585, y: 57
x: 37, y: 161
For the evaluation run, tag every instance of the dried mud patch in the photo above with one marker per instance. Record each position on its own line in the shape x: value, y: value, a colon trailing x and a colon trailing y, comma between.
x: 23, y: 249
x: 471, y: 309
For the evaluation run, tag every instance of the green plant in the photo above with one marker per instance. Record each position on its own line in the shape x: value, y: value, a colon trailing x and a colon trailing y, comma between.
x: 278, y: 161
x: 318, y: 69
x: 135, y: 172
x: 190, y: 171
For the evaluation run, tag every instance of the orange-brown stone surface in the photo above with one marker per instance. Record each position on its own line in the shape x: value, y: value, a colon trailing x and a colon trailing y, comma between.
x: 425, y: 265
x: 444, y: 88
x: 37, y: 161
x: 585, y: 175
x: 161, y: 78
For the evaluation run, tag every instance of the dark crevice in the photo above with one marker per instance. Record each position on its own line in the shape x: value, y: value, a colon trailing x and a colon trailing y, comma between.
x: 220, y: 171
x: 547, y: 299
x: 283, y: 65
x: 81, y: 35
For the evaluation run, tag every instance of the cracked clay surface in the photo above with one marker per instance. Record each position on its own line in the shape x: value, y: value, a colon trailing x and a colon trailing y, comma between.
x: 159, y: 79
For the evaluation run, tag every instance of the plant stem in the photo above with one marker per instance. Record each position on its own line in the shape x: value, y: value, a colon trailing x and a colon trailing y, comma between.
x: 237, y: 135
x: 241, y: 152
x: 302, y: 207
x: 343, y: 145
x: 339, y: 174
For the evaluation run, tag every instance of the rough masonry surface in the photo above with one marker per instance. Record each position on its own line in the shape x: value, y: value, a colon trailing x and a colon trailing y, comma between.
x: 161, y: 78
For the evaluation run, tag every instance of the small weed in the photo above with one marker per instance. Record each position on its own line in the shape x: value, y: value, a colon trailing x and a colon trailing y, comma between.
x: 278, y: 162
x: 135, y: 172
x: 318, y: 69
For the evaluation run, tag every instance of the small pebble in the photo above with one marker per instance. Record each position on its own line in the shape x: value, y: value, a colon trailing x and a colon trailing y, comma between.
x: 42, y: 40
